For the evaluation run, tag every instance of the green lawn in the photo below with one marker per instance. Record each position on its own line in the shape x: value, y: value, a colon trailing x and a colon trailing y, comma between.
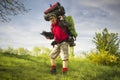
x: 25, y: 67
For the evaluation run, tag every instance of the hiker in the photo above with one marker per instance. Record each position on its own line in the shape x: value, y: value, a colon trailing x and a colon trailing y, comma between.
x: 59, y: 43
x: 63, y: 33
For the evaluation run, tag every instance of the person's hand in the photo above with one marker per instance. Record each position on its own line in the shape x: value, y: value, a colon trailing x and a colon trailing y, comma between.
x: 61, y: 18
x: 47, y: 37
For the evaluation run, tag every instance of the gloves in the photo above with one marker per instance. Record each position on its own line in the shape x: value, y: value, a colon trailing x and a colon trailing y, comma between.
x: 53, y: 43
x: 48, y: 35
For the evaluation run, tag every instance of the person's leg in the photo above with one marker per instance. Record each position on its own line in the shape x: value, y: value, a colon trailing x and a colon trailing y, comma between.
x: 65, y: 63
x: 52, y: 61
x: 53, y: 66
x: 65, y: 56
x: 53, y: 55
x: 65, y: 66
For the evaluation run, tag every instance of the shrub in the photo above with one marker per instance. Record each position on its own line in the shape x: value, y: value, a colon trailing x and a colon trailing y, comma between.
x: 102, y: 57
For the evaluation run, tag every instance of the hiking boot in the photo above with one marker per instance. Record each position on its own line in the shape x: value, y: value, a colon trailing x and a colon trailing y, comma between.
x: 64, y: 73
x: 53, y: 71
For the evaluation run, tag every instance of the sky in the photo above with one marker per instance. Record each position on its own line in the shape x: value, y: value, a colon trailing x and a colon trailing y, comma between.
x: 89, y: 16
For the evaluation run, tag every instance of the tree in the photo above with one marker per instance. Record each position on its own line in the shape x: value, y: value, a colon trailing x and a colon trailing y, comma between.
x: 40, y: 50
x: 106, y: 41
x: 36, y: 50
x: 22, y: 51
x: 11, y: 7
x: 9, y: 50
x: 1, y: 50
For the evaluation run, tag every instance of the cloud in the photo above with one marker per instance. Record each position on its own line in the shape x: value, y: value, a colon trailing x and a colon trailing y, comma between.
x: 12, y: 36
x: 89, y: 16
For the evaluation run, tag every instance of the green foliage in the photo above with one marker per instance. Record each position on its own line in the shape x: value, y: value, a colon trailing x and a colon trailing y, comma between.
x: 9, y: 50
x: 40, y: 50
x: 1, y: 50
x: 36, y: 50
x: 107, y: 45
x: 107, y: 41
x: 22, y: 51
x: 19, y: 51
x: 102, y: 57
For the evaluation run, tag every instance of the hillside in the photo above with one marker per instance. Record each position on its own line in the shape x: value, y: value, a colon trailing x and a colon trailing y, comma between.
x: 26, y: 67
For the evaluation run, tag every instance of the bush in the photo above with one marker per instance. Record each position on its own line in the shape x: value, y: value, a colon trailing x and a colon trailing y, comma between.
x: 102, y: 57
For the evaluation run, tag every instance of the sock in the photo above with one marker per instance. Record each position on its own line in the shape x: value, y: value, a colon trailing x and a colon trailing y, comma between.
x: 53, y: 67
x: 64, y: 69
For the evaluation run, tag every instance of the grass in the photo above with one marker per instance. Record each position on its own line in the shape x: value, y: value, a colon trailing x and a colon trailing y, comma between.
x: 26, y: 67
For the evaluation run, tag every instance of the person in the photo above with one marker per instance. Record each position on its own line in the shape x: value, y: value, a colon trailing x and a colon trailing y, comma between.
x: 60, y: 44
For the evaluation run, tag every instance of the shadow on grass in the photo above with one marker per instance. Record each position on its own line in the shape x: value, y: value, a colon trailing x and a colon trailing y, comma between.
x: 110, y: 74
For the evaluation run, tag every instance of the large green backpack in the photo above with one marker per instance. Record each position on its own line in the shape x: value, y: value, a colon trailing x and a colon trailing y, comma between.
x: 71, y: 27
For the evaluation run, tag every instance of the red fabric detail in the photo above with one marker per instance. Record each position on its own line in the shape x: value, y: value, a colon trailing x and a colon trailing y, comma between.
x: 52, y: 7
x: 59, y: 34
x: 64, y: 69
x: 53, y: 67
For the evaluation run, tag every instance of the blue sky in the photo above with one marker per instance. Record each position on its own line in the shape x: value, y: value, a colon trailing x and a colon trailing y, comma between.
x: 90, y: 16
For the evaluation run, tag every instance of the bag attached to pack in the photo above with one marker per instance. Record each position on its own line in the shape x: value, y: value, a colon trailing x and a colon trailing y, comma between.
x: 71, y: 27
